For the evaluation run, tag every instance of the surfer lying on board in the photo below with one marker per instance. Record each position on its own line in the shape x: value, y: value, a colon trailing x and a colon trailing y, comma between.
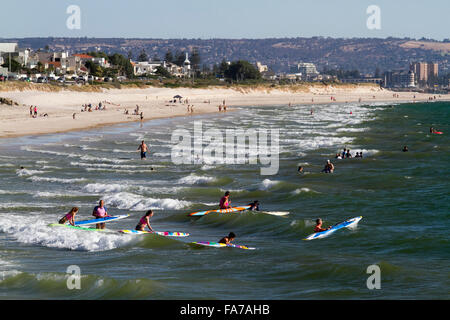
x: 254, y: 206
x: 227, y: 240
x: 100, y: 211
x: 69, y: 217
x: 318, y: 227
x: 145, y: 221
x: 225, y: 201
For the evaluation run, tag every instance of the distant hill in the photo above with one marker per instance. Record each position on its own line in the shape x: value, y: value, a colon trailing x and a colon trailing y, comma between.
x: 364, y: 54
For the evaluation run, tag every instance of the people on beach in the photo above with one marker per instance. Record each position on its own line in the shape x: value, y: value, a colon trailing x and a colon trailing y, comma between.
x: 329, y: 167
x: 254, y: 206
x: 318, y: 227
x: 145, y: 221
x: 405, y: 149
x: 99, y: 212
x: 300, y: 169
x: 227, y: 240
x: 143, y: 149
x: 225, y: 201
x: 69, y: 217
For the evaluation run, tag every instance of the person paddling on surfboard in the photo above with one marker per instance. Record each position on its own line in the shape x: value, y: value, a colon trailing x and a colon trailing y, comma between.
x: 145, y: 221
x: 69, y: 217
x: 225, y: 201
x: 318, y: 227
x: 227, y: 240
x: 99, y: 212
x: 254, y: 206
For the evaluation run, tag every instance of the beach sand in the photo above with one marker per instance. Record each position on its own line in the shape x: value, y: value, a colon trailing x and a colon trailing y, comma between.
x: 154, y: 103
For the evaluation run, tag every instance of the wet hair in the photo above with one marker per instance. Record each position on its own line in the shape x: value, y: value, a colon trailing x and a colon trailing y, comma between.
x: 318, y: 220
x: 227, y: 193
x: 149, y: 212
x: 231, y: 235
x: 74, y: 210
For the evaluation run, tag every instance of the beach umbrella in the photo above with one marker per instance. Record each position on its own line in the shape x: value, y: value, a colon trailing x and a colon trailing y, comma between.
x: 178, y: 96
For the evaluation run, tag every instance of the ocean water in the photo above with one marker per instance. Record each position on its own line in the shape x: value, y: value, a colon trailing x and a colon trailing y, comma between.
x: 402, y: 196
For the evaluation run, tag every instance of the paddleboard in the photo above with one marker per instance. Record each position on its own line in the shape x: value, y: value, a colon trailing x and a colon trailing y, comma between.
x: 275, y: 213
x: 221, y: 245
x: 161, y: 233
x: 344, y: 224
x: 233, y: 209
x: 75, y: 227
x: 101, y: 220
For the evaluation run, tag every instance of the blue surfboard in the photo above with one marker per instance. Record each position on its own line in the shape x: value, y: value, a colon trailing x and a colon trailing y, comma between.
x: 344, y: 224
x: 101, y: 220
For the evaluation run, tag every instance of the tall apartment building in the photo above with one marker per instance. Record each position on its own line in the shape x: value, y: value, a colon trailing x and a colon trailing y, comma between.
x: 425, y: 71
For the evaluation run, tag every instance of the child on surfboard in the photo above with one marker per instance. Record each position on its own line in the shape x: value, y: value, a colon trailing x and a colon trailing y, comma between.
x: 227, y: 240
x: 318, y: 227
x: 145, y: 221
x: 69, y: 217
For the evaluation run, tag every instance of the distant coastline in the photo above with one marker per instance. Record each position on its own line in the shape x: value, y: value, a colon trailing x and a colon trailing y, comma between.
x: 59, y: 109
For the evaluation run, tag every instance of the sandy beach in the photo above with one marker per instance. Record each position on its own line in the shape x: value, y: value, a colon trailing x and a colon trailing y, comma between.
x: 154, y: 102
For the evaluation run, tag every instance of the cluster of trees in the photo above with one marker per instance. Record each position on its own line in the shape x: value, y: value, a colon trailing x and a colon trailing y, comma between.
x: 239, y: 70
x: 120, y: 65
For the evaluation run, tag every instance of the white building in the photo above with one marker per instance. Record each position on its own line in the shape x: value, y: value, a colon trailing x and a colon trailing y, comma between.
x: 261, y: 67
x: 146, y: 67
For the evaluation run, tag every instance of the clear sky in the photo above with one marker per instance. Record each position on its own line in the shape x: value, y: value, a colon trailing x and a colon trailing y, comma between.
x: 225, y: 18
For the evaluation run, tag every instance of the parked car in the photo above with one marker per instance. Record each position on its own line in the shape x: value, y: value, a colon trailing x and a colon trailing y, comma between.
x: 42, y: 80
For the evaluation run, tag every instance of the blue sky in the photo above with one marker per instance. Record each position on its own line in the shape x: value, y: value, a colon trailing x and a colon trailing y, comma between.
x: 225, y: 19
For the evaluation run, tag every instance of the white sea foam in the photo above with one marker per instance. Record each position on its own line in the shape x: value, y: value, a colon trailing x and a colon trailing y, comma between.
x: 194, y: 179
x: 28, y: 230
x: 59, y: 180
x: 267, y: 184
x: 134, y: 202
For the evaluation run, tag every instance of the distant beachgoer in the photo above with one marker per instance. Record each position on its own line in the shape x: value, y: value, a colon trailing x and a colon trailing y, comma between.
x: 99, y: 212
x: 224, y: 108
x: 300, y: 169
x: 348, y: 155
x: 31, y: 111
x: 338, y: 156
x: 70, y: 217
x: 318, y: 227
x: 142, y: 115
x: 145, y: 221
x: 35, y: 111
x: 188, y: 108
x: 143, y: 149
x: 343, y: 153
x: 220, y: 108
x: 227, y: 240
x: 73, y: 116
x: 192, y: 108
x: 225, y: 201
x: 405, y: 149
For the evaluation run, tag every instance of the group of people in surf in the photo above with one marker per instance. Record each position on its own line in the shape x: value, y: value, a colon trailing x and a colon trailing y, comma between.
x: 100, y: 211
x: 346, y: 154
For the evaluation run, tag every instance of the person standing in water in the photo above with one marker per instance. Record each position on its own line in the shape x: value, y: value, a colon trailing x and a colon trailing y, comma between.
x: 225, y: 201
x: 99, y: 212
x: 69, y: 217
x: 145, y: 221
x: 318, y: 227
x: 143, y: 148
